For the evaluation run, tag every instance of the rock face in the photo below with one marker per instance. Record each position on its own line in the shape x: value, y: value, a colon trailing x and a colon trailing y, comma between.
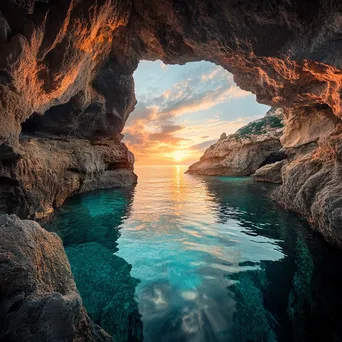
x: 52, y: 169
x: 66, y: 66
x: 269, y: 173
x: 63, y: 103
x: 312, y: 183
x: 243, y: 152
x: 38, y: 296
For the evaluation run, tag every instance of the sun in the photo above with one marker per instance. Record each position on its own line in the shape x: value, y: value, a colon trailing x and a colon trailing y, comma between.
x: 179, y: 155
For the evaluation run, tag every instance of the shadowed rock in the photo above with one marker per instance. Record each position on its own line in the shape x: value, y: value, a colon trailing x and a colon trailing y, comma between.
x: 66, y: 71
x: 52, y: 169
x: 38, y: 296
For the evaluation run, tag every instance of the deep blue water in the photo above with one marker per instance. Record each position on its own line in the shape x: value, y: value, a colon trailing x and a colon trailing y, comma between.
x: 191, y: 258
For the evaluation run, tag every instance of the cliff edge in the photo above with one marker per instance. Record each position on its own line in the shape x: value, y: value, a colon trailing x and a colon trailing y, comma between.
x: 245, y: 151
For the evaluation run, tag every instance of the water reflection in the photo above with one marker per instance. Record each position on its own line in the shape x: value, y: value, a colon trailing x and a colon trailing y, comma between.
x: 213, y: 259
x: 295, y: 298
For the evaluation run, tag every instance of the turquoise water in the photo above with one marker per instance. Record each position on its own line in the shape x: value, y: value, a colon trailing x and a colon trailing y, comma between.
x: 191, y: 258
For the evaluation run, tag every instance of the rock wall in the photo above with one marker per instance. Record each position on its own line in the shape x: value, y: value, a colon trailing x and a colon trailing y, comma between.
x: 52, y: 169
x: 313, y: 173
x: 310, y: 175
x: 63, y: 103
x: 242, y: 153
x: 38, y: 296
x: 270, y: 173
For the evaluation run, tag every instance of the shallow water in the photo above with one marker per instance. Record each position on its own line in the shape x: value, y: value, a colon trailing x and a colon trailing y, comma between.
x: 191, y: 258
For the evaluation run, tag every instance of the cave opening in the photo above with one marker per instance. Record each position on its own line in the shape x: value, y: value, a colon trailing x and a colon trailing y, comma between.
x: 58, y: 120
x: 273, y: 158
x: 211, y: 258
x: 184, y: 109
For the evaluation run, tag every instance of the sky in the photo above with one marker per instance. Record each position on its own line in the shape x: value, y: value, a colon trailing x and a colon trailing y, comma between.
x: 183, y: 109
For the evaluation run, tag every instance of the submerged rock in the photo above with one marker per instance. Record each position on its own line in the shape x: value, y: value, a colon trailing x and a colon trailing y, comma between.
x: 242, y: 153
x: 89, y: 226
x: 39, y: 300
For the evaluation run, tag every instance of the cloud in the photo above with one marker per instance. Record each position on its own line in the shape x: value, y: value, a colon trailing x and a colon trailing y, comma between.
x: 206, y: 100
x: 171, y: 128
x: 163, y: 66
x: 166, y: 134
x: 203, y: 146
x: 199, y: 89
x: 142, y: 112
x: 145, y: 138
x: 166, y: 138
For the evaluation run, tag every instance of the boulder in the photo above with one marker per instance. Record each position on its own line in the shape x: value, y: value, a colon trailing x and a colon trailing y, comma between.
x: 269, y: 173
x: 39, y: 300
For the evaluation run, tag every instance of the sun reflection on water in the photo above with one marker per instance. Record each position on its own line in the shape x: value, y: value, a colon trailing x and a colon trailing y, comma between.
x: 182, y: 253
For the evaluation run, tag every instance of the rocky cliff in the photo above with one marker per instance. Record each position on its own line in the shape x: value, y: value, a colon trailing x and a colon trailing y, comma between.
x: 312, y: 174
x: 38, y: 296
x: 63, y: 103
x: 52, y: 169
x: 242, y: 153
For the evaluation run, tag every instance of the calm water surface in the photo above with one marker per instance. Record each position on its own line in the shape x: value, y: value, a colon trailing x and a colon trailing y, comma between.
x: 192, y: 258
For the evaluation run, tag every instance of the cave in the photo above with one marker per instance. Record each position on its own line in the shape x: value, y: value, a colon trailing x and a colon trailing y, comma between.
x: 67, y: 90
x: 273, y: 157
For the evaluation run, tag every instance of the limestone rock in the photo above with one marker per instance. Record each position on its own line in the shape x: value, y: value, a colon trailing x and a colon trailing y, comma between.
x: 66, y: 71
x: 269, y: 173
x: 5, y: 30
x: 52, y: 169
x: 312, y: 184
x: 38, y: 296
x: 307, y: 125
x: 243, y: 152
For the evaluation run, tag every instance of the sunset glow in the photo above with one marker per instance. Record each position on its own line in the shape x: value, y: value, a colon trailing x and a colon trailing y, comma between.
x: 182, y: 110
x: 179, y: 156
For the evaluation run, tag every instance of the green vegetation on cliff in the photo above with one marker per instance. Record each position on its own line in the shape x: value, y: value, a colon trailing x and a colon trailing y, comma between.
x: 261, y: 126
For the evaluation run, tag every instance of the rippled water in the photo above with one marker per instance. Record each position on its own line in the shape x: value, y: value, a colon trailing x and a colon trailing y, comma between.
x: 190, y: 258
